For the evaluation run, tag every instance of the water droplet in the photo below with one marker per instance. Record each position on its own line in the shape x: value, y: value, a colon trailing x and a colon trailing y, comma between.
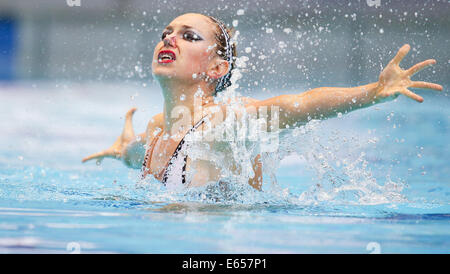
x: 211, y: 47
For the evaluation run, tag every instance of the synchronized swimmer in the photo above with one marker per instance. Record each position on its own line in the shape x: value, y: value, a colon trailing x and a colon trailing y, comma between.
x: 195, y: 53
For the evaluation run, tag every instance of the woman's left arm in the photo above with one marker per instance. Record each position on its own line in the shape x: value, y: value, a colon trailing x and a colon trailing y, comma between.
x: 327, y: 102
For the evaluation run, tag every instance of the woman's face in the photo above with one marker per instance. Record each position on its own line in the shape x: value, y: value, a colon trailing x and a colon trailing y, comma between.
x: 188, y: 49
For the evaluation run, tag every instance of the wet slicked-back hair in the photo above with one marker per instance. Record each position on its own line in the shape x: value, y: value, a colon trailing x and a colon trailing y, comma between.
x: 226, y: 50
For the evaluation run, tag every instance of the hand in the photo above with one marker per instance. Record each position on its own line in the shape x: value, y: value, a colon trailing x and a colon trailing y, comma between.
x: 116, y: 150
x: 394, y: 80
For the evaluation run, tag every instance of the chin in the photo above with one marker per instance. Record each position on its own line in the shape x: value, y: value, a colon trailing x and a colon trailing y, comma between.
x: 163, y: 72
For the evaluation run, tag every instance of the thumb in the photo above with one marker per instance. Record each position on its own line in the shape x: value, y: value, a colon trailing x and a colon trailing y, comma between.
x: 128, y: 131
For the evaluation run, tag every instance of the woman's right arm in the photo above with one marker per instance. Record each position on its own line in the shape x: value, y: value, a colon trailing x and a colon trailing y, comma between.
x: 128, y: 147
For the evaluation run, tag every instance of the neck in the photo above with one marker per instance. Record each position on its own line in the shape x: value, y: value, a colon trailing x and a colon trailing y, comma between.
x: 183, y: 104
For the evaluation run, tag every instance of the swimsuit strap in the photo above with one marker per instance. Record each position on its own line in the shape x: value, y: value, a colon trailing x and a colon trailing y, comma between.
x: 175, y: 156
x: 148, y: 155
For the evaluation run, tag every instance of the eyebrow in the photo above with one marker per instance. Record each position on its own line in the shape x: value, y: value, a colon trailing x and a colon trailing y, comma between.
x: 183, y: 27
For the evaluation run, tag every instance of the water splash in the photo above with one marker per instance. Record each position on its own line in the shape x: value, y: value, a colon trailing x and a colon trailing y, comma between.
x: 342, y: 173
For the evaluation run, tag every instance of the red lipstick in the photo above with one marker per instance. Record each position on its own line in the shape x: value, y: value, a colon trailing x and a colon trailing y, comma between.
x: 166, y: 56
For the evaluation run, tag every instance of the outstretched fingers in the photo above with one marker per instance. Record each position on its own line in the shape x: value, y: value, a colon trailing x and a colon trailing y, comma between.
x: 418, y: 67
x: 115, y: 150
x: 426, y: 85
x: 401, y: 54
x: 411, y: 95
x: 99, y: 155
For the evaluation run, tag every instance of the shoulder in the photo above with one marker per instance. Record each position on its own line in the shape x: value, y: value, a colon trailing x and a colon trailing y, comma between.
x: 213, y: 107
x: 156, y: 121
x: 154, y: 126
x: 218, y: 112
x: 248, y: 100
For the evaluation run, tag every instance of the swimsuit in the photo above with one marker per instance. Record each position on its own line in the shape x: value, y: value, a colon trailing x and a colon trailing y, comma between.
x: 175, y: 171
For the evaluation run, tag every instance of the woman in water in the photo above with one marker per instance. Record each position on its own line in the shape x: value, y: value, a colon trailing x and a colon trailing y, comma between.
x: 193, y: 62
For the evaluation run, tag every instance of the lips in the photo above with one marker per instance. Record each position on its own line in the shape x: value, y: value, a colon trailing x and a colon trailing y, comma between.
x: 166, y: 56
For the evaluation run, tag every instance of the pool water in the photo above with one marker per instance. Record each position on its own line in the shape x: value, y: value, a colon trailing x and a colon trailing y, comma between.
x: 394, y: 199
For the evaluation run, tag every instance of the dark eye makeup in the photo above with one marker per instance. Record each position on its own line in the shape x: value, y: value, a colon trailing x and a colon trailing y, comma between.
x: 191, y: 36
x: 187, y: 35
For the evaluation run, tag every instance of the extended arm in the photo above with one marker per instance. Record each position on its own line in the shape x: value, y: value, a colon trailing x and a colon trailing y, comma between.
x: 323, y: 103
x: 128, y: 147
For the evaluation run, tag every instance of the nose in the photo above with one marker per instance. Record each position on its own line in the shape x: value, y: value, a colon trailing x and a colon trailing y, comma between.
x: 170, y: 41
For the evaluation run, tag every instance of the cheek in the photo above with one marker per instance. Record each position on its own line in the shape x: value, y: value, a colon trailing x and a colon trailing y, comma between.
x: 158, y: 46
x: 154, y: 57
x: 199, y: 59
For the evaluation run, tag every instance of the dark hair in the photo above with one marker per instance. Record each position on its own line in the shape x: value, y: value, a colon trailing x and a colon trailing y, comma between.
x: 223, y: 39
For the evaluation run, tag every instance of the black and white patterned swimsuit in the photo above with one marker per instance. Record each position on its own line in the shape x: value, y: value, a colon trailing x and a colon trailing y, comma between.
x: 175, y: 171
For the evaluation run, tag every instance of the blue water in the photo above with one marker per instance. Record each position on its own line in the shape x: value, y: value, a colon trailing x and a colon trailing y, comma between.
x: 51, y: 203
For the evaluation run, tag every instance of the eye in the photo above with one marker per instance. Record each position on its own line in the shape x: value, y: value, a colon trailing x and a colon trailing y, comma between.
x: 188, y: 35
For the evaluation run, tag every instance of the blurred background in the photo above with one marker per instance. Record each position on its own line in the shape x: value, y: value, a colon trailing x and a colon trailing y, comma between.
x: 289, y: 43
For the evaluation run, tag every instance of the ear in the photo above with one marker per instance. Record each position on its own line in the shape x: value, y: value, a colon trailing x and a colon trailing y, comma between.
x: 217, y: 68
